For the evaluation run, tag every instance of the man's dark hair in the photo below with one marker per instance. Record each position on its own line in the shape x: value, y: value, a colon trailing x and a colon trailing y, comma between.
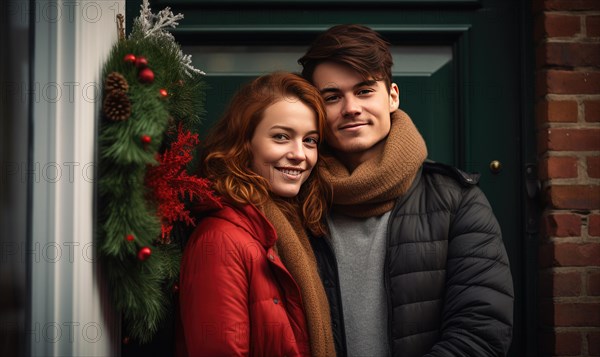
x: 355, y: 46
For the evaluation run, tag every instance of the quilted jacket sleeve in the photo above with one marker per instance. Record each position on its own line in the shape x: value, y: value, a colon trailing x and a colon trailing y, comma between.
x: 478, y: 306
x: 214, y: 297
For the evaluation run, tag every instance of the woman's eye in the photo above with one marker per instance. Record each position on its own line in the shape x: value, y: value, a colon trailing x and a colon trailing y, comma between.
x: 279, y: 136
x: 312, y: 141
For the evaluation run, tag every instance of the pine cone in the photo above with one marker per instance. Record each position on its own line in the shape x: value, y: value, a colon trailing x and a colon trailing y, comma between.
x: 117, y: 106
x: 115, y: 81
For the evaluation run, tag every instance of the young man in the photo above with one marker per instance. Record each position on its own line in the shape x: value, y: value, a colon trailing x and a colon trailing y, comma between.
x: 415, y: 264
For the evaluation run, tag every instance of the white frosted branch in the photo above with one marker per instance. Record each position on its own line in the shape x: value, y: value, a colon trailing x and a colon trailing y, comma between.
x: 158, y: 25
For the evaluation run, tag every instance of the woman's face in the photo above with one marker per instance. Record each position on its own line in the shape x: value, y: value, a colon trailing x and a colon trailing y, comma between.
x: 284, y: 146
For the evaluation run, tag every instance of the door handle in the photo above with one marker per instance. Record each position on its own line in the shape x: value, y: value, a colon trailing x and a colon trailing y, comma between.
x: 495, y: 167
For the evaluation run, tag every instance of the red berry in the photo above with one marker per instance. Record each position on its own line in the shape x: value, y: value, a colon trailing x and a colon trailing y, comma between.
x: 141, y: 62
x: 146, y: 75
x: 130, y: 58
x: 144, y: 253
x: 163, y: 93
x: 146, y: 139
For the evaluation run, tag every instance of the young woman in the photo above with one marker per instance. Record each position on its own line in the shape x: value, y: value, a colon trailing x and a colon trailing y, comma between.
x: 249, y: 284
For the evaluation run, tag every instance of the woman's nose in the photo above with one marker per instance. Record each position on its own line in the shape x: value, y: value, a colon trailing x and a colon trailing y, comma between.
x: 297, y: 152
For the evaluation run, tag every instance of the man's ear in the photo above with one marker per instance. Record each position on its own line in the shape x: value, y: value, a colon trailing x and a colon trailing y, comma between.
x: 394, y: 97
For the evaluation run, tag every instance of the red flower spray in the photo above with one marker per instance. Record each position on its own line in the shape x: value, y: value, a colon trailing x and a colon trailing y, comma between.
x: 171, y: 184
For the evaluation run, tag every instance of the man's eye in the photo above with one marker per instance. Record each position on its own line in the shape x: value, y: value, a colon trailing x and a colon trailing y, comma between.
x: 364, y: 91
x: 331, y: 98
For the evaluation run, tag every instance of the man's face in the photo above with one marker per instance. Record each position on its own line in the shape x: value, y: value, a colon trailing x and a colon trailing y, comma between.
x: 358, y: 111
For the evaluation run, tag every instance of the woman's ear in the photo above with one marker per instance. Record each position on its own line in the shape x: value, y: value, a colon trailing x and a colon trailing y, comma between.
x: 394, y: 97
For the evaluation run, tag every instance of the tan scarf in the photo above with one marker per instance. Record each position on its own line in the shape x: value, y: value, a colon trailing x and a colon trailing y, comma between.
x: 373, y: 187
x: 296, y: 254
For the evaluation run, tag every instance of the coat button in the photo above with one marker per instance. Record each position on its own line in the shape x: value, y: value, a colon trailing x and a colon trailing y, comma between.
x: 271, y: 256
x: 276, y: 301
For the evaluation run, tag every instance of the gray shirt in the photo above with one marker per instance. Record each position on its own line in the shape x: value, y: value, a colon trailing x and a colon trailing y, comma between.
x: 359, y: 247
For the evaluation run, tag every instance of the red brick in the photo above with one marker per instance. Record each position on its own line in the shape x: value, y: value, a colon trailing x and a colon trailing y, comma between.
x: 593, y: 166
x: 565, y: 5
x: 558, y: 111
x: 594, y: 225
x: 592, y: 24
x: 586, y: 197
x: 562, y: 167
x: 593, y: 283
x: 593, y: 342
x: 577, y: 314
x: 568, y: 82
x: 562, y: 111
x: 558, y: 25
x: 555, y: 284
x: 566, y: 139
x: 567, y: 285
x: 568, y: 54
x: 592, y: 110
x: 558, y: 167
x: 562, y: 225
x: 567, y: 344
x: 576, y: 255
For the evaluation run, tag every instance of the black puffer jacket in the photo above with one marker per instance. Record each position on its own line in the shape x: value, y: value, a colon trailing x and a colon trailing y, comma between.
x: 447, y: 276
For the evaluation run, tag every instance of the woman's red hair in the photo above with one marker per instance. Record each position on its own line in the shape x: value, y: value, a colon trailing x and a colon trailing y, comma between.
x: 226, y: 153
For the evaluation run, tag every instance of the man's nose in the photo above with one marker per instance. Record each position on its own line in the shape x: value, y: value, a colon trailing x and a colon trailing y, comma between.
x: 350, y: 107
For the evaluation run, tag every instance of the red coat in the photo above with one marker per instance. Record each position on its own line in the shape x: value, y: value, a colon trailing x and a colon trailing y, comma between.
x: 236, y: 297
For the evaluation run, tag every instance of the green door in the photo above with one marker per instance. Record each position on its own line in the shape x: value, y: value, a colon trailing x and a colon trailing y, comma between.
x: 460, y: 67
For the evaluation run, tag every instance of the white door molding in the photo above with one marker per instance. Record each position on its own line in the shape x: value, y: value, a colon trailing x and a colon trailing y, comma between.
x: 70, y: 310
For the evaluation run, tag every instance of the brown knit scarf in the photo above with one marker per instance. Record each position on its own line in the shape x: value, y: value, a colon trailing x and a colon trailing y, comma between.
x: 296, y: 254
x: 373, y: 187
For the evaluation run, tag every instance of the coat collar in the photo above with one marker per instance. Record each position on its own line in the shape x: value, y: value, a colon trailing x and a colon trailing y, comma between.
x: 250, y: 219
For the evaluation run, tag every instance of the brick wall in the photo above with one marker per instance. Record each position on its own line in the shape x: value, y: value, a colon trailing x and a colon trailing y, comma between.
x: 567, y: 69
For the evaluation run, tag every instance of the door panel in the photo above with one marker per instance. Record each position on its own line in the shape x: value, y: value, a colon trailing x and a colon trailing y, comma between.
x: 458, y: 64
x: 428, y: 99
x: 424, y: 75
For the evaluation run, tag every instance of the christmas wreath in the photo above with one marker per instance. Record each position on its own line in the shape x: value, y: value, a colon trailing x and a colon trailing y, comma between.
x: 152, y: 102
